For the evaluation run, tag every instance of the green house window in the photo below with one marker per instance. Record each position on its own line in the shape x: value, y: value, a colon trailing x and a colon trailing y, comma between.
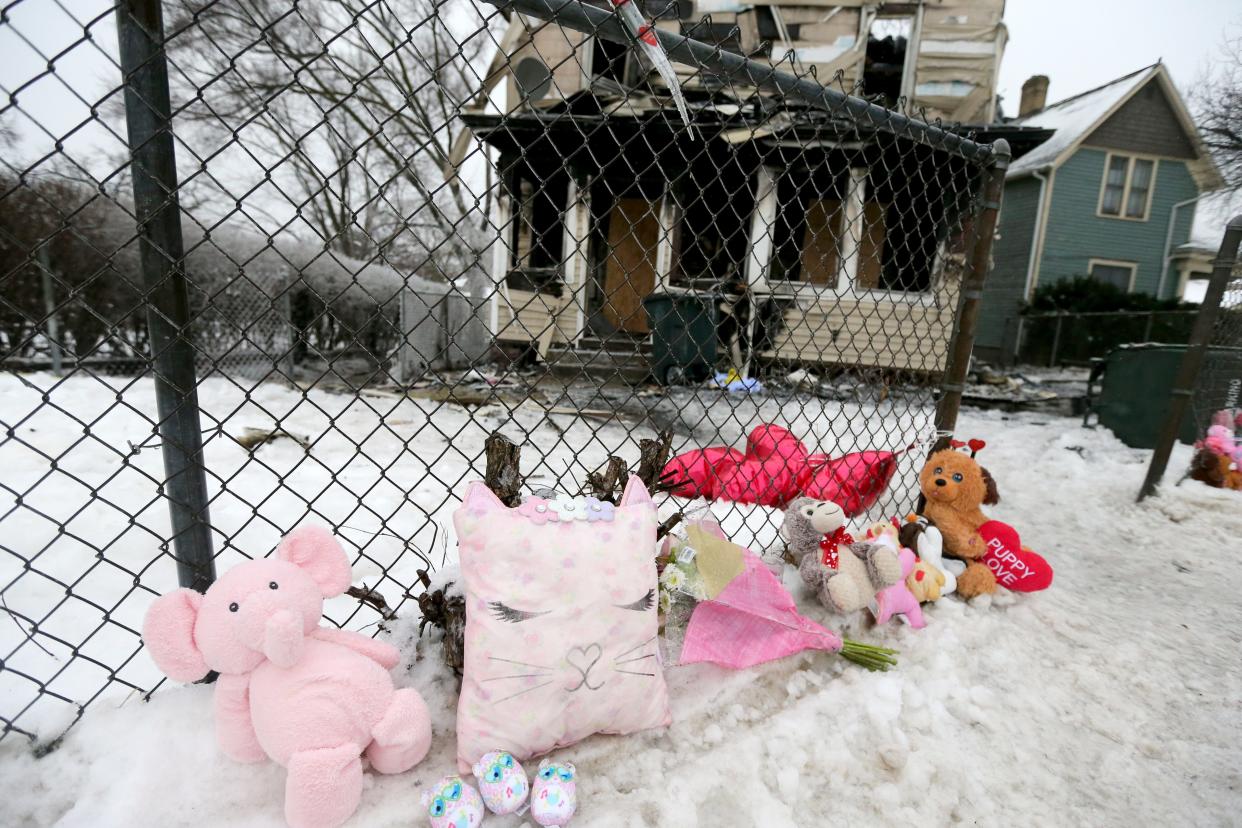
x: 1127, y: 187
x: 1117, y: 274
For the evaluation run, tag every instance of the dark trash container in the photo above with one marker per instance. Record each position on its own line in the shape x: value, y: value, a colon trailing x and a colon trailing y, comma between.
x: 1137, y: 380
x: 683, y: 335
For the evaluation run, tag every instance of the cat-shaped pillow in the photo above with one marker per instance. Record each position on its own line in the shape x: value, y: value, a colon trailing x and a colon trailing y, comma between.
x: 561, y: 622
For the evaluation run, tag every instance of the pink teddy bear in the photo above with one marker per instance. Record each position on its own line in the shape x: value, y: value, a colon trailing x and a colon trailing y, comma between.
x: 1220, y: 440
x: 310, y: 698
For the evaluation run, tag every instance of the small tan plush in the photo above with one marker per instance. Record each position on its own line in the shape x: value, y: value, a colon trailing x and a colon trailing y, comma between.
x: 956, y: 487
x: 925, y: 582
x: 813, y: 530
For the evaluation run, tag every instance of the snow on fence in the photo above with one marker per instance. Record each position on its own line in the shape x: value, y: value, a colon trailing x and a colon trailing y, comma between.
x: 304, y: 276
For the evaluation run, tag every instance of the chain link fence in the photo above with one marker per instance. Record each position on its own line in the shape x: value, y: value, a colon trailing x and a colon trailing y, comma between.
x: 264, y: 263
x: 1077, y: 338
x: 1207, y: 393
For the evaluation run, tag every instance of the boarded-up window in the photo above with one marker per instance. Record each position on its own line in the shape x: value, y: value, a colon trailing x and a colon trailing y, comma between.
x: 871, y: 245
x: 821, y: 256
x: 806, y: 233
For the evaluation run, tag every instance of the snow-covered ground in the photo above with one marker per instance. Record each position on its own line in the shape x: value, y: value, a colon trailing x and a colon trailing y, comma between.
x: 1113, y: 698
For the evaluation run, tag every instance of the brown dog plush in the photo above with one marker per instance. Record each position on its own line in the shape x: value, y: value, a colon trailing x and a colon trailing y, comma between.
x: 956, y: 487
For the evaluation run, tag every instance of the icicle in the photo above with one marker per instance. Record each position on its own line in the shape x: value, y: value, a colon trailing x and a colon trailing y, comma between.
x: 645, y: 32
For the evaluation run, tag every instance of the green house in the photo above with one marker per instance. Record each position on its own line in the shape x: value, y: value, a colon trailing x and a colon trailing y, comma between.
x: 1111, y: 195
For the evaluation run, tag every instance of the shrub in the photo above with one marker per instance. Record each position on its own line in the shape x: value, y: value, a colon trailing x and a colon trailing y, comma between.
x: 1082, y: 294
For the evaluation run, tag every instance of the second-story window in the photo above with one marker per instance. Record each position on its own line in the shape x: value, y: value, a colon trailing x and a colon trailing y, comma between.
x: 1127, y: 187
x: 885, y: 65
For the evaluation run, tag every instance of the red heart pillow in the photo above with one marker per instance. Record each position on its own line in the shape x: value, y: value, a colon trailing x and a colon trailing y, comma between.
x: 1015, y: 566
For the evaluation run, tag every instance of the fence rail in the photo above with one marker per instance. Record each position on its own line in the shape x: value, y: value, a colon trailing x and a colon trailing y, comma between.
x: 1076, y: 338
x: 267, y: 263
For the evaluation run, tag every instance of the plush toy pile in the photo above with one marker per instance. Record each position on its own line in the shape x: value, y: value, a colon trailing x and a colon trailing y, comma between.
x: 566, y: 600
x: 893, y: 568
x: 1218, y: 457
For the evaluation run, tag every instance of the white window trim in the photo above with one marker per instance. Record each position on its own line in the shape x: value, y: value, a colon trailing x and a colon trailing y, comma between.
x: 762, y: 222
x: 1133, y: 267
x: 1125, y: 192
x: 500, y: 259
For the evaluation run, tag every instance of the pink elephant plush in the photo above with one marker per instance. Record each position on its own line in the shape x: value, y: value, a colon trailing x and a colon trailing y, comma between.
x: 310, y: 698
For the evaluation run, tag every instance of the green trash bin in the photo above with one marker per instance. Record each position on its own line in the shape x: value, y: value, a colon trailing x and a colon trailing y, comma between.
x: 683, y: 335
x: 1133, y: 401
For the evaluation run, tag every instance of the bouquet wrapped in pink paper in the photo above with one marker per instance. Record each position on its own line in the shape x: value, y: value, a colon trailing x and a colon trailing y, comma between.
x: 744, y: 615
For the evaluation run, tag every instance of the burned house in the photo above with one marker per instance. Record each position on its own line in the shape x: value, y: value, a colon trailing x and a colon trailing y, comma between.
x: 842, y: 242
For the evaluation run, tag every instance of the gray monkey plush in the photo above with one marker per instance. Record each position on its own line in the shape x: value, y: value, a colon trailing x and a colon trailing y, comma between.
x: 862, y: 570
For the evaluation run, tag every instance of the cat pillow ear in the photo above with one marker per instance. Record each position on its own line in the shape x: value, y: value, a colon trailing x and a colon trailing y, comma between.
x: 479, y: 497
x: 635, y: 493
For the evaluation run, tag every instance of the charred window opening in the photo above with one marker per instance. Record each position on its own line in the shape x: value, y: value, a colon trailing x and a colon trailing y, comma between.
x: 609, y: 60
x: 898, y: 238
x: 713, y: 239
x: 537, y: 231
x: 884, y: 68
x: 806, y: 235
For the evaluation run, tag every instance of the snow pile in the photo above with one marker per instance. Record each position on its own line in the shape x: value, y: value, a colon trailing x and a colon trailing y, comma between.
x: 1113, y: 698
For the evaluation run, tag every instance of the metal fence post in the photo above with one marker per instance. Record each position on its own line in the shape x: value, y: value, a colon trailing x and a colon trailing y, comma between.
x: 140, y: 32
x: 1056, y: 340
x: 954, y: 382
x: 1192, y: 361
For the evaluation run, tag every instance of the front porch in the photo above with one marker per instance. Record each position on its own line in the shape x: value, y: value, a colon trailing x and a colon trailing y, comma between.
x: 857, y: 239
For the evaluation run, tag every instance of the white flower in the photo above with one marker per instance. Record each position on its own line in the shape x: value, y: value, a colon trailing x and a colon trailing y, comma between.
x: 570, y: 508
x: 673, y: 577
x: 697, y: 590
x: 666, y: 602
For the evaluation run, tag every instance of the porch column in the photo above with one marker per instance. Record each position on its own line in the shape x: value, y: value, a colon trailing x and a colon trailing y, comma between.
x: 852, y: 227
x: 501, y: 213
x: 574, y: 247
x: 761, y: 224
x: 668, y: 216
